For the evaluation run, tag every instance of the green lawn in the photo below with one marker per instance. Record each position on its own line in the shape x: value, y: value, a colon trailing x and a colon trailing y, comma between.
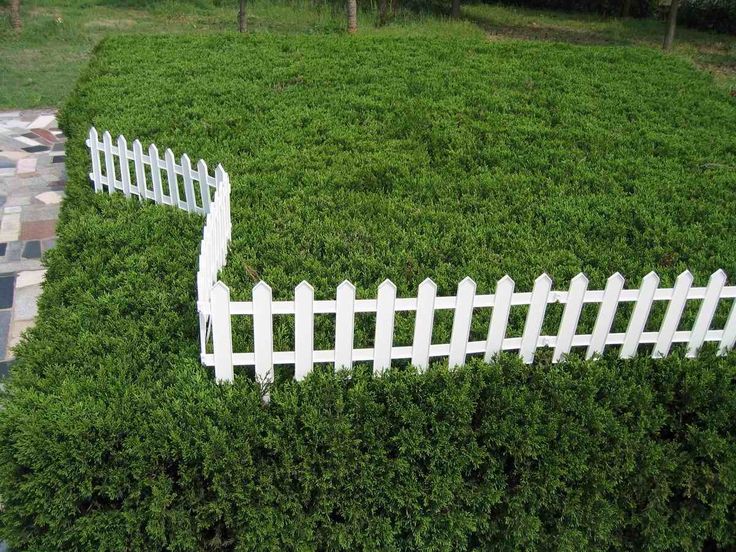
x: 40, y: 65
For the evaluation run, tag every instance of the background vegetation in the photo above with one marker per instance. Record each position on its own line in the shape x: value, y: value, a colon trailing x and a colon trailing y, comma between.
x: 40, y: 63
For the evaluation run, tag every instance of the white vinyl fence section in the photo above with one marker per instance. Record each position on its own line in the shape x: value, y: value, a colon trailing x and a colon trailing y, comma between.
x: 213, y: 250
x: 115, y: 167
x: 304, y: 307
x: 137, y: 173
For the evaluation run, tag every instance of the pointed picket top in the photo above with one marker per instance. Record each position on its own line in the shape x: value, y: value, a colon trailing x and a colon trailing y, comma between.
x: 387, y: 284
x: 616, y: 277
x: 505, y: 281
x: 579, y: 280
x: 202, y: 166
x: 543, y: 279
x: 649, y: 279
x: 685, y: 275
x: 467, y: 282
x: 185, y: 161
x: 304, y: 288
x: 121, y: 140
x: 168, y: 154
x: 719, y: 276
x: 220, y: 287
x: 93, y: 136
x: 220, y: 173
x: 428, y: 283
x: 107, y: 136
x: 345, y: 286
x: 137, y: 144
x: 153, y: 152
x: 262, y: 288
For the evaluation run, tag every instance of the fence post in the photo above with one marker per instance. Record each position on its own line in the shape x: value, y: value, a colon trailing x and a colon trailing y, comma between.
x: 222, y: 337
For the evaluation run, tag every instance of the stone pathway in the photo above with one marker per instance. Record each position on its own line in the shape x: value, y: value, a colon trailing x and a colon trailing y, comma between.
x: 32, y: 180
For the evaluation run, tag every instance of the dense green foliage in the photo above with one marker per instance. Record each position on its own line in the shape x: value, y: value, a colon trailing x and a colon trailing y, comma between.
x: 718, y: 15
x: 365, y: 159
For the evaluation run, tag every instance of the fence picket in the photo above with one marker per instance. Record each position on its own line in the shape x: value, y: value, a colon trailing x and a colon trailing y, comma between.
x: 570, y: 316
x: 705, y: 315
x: 673, y: 314
x: 158, y: 192
x: 606, y: 314
x: 640, y: 315
x: 263, y: 332
x: 384, y: 326
x: 423, y: 324
x: 124, y: 165
x: 535, y: 318
x: 94, y: 148
x: 140, y: 170
x: 729, y: 332
x: 171, y: 177
x: 222, y: 332
x: 344, y: 325
x: 461, y: 322
x: 186, y: 169
x: 499, y: 317
x: 109, y: 164
x: 203, y: 186
x: 303, y: 329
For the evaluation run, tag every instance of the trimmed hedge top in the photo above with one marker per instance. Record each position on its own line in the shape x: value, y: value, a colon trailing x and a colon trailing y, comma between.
x: 367, y: 159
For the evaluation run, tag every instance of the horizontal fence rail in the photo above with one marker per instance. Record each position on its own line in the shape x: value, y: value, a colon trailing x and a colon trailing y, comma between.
x: 304, y: 307
x: 147, y: 176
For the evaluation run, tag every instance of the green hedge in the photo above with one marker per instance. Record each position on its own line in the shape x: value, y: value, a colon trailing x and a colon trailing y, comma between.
x: 113, y: 437
x: 582, y: 456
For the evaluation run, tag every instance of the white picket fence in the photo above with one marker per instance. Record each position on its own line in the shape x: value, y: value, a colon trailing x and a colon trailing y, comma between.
x: 182, y: 186
x: 213, y: 250
x: 262, y: 309
x: 216, y: 310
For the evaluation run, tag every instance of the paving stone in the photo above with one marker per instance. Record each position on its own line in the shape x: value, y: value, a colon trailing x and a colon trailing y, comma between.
x: 10, y: 227
x: 58, y: 147
x: 58, y: 159
x: 32, y: 249
x: 38, y: 229
x: 43, y: 121
x: 24, y: 307
x: 44, y: 134
x: 50, y: 197
x: 27, y: 141
x: 7, y: 172
x: 29, y: 278
x: 3, y: 248
x: 6, y: 163
x: 13, y: 251
x: 36, y: 149
x: 11, y: 209
x: 7, y: 285
x: 27, y: 165
x: 4, y: 332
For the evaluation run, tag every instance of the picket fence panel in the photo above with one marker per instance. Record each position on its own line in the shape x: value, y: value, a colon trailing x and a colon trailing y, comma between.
x: 115, y: 167
x: 304, y: 307
x: 184, y: 187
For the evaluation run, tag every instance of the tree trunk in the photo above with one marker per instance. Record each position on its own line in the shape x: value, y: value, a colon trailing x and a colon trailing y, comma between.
x: 242, y: 18
x: 382, y: 12
x: 455, y: 9
x: 15, y: 14
x: 352, y: 16
x: 394, y: 7
x: 669, y: 37
x: 626, y: 8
